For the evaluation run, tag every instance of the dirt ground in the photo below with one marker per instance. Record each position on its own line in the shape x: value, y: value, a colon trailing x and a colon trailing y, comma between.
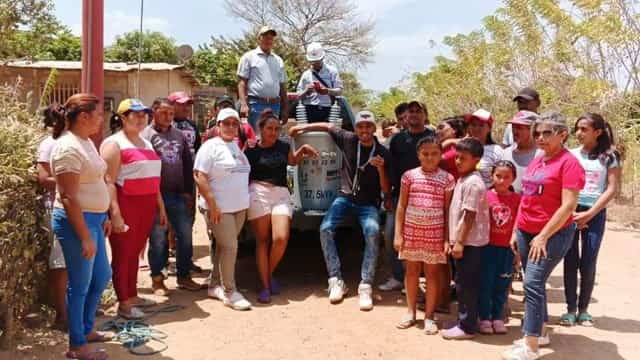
x: 302, y: 324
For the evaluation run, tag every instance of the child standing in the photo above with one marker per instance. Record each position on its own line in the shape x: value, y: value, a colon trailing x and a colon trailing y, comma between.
x: 468, y: 235
x: 497, y: 257
x: 421, y: 229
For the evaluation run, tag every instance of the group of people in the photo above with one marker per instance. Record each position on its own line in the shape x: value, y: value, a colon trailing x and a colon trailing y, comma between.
x: 459, y: 206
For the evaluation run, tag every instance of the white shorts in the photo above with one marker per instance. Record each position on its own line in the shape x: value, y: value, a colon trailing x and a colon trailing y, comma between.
x: 268, y: 199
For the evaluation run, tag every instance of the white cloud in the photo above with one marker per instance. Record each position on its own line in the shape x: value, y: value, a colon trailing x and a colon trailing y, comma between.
x: 118, y: 22
x: 377, y: 8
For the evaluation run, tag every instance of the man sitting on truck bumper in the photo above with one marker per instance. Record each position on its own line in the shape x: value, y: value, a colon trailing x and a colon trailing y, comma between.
x: 365, y: 174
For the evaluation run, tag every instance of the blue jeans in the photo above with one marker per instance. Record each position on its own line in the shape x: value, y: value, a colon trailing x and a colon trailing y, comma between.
x: 87, y: 277
x: 497, y: 266
x: 397, y: 270
x: 467, y: 286
x: 255, y: 108
x: 369, y: 221
x: 180, y: 221
x: 584, y: 261
x: 536, y: 275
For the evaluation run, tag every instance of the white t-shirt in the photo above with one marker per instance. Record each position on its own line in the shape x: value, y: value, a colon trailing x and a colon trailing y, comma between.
x: 228, y: 171
x: 492, y: 154
x: 521, y: 161
x: 44, y: 156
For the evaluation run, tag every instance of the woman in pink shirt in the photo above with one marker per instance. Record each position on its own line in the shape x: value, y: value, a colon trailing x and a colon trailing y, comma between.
x: 133, y: 169
x: 544, y: 227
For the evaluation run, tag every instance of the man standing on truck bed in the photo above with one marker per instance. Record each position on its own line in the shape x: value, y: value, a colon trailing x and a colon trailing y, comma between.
x: 404, y: 156
x: 262, y: 80
x: 318, y: 85
x: 365, y: 174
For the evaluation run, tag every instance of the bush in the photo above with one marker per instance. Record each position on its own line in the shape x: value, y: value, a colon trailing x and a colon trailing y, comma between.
x: 24, y: 235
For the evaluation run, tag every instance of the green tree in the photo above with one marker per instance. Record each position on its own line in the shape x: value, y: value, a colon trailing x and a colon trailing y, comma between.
x: 156, y: 47
x: 358, y: 96
x: 385, y: 103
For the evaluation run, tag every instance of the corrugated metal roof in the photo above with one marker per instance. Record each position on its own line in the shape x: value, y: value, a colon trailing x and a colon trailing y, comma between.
x: 77, y: 65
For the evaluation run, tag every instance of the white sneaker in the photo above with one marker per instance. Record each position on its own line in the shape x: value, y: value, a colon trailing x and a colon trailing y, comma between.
x: 237, y: 302
x: 366, y: 302
x: 216, y: 292
x: 521, y: 352
x: 391, y: 285
x: 543, y: 340
x: 337, y: 290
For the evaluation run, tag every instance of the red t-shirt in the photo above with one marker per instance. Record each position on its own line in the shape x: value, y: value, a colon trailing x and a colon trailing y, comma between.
x: 503, y: 210
x: 542, y: 185
x: 448, y: 162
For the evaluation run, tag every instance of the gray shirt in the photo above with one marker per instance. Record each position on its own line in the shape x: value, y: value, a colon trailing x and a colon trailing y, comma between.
x: 171, y: 146
x: 264, y: 73
x: 329, y: 75
x: 521, y: 160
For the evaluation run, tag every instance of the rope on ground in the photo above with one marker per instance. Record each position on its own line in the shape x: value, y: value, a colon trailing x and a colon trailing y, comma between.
x: 136, y: 333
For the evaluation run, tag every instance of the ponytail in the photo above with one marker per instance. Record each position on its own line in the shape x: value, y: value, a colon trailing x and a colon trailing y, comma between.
x: 60, y: 117
x: 54, y: 118
x: 604, y: 150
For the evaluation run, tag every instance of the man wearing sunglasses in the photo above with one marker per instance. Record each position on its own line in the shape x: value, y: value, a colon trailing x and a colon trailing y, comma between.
x: 365, y: 175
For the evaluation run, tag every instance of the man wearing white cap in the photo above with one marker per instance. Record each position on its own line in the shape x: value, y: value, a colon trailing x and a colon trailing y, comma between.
x: 365, y: 174
x: 318, y: 85
x: 262, y: 80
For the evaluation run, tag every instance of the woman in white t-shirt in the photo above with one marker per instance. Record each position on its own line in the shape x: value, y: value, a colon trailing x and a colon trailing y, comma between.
x: 221, y: 172
x: 480, y: 123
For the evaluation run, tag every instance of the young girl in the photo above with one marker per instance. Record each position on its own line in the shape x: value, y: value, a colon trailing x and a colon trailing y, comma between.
x: 421, y: 228
x: 601, y: 163
x: 497, y: 257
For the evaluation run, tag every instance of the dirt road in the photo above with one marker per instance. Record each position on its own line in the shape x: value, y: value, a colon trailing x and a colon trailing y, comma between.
x: 302, y: 324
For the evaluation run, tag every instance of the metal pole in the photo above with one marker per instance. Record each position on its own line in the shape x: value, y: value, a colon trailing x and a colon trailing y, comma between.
x: 140, y: 49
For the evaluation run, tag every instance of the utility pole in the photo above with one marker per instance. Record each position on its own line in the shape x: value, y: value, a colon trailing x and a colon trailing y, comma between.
x: 93, y: 54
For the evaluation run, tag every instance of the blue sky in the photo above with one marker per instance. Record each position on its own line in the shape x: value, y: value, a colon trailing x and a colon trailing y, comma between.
x: 403, y: 27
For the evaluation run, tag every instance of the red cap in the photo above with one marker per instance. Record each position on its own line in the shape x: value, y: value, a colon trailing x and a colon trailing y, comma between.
x: 480, y: 114
x: 179, y: 97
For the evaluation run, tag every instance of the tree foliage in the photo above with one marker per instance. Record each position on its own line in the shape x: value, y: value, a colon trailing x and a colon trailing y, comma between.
x: 346, y: 35
x: 156, y: 47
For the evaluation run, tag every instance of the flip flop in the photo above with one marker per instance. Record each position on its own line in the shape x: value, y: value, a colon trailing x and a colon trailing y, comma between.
x: 97, y: 354
x: 568, y: 319
x: 430, y: 327
x: 101, y: 337
x: 146, y: 303
x: 585, y: 319
x: 133, y: 314
x: 406, y: 322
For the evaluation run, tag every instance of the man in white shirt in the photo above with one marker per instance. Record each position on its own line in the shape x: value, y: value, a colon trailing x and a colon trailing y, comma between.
x: 318, y: 85
x: 262, y: 80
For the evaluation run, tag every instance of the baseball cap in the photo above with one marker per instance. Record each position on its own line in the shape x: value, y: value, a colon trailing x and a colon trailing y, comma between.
x: 227, y: 113
x: 480, y: 114
x: 527, y: 94
x: 179, y: 97
x: 315, y: 52
x: 135, y: 105
x: 418, y: 104
x: 524, y: 117
x: 224, y: 99
x: 265, y: 29
x: 365, y: 116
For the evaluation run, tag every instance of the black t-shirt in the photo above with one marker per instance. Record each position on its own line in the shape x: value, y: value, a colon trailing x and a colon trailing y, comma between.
x: 269, y: 164
x: 404, y: 154
x: 369, y: 190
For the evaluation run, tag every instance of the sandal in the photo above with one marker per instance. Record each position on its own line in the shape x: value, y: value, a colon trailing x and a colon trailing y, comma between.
x: 568, y: 319
x: 430, y: 327
x: 406, y: 322
x: 97, y: 354
x: 100, y: 337
x: 145, y: 303
x: 133, y: 314
x: 585, y: 319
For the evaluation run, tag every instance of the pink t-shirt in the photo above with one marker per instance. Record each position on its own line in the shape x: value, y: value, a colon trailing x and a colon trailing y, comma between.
x: 448, y: 162
x: 542, y: 186
x: 503, y: 210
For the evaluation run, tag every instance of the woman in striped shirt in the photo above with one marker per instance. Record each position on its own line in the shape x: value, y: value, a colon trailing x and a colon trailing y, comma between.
x: 133, y: 171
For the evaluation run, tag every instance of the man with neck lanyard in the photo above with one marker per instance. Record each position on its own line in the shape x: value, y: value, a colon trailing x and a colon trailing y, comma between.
x: 365, y: 175
x: 262, y: 80
x: 318, y: 85
x: 404, y: 156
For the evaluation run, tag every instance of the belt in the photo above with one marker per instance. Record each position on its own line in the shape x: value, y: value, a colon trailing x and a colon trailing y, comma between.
x: 266, y: 100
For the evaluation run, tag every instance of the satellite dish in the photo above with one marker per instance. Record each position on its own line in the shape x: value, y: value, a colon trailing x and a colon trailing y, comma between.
x: 185, y: 52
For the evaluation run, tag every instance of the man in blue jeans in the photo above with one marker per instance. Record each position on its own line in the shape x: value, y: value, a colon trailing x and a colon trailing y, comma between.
x: 176, y: 185
x: 365, y: 174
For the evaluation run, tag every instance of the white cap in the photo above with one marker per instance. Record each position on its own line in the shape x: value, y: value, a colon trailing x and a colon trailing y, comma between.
x: 227, y: 113
x: 315, y: 52
x: 365, y: 116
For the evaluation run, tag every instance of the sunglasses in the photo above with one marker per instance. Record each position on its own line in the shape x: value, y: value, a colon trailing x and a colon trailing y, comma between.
x: 546, y: 134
